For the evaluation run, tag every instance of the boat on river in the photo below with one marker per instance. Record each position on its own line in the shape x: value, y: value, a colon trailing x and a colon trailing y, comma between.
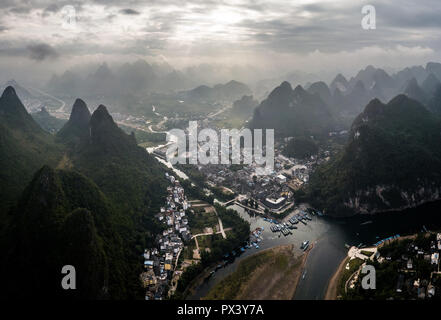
x: 305, y: 245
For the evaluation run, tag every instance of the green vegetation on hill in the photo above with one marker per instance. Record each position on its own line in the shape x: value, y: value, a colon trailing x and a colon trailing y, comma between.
x: 434, y: 103
x: 244, y: 107
x: 301, y: 148
x: 144, y: 138
x: 48, y: 122
x: 345, y: 275
x: 24, y: 148
x: 235, y: 239
x: 236, y: 116
x: 96, y: 213
x: 62, y: 219
x: 391, y: 160
x: 77, y: 127
x: 230, y: 91
x: 125, y: 172
x: 218, y: 248
x: 293, y: 113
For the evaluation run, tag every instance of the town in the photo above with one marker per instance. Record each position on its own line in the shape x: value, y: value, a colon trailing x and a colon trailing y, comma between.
x: 160, y: 262
x: 270, y: 193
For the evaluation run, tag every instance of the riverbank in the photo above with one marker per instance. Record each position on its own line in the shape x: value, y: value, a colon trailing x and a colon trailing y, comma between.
x: 332, y: 288
x: 272, y: 274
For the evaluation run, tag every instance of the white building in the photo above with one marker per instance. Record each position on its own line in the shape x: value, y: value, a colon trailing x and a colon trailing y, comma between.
x: 281, y: 178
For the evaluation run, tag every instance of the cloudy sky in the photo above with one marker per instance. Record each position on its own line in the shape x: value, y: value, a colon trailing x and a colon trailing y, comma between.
x: 268, y: 36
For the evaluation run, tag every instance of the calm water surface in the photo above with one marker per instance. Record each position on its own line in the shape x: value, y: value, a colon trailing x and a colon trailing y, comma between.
x: 329, y: 237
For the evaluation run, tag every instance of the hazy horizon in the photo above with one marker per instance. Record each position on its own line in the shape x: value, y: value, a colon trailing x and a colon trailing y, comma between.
x: 243, y: 40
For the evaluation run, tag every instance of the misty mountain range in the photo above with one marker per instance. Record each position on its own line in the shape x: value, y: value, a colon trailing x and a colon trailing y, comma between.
x: 315, y: 108
x: 350, y: 96
x: 322, y: 108
x: 231, y: 91
x: 136, y: 78
x: 141, y: 78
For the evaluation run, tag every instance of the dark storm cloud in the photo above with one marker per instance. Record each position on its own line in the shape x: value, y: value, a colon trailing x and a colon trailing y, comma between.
x: 129, y: 12
x: 315, y: 8
x: 20, y: 10
x: 41, y: 51
x: 334, y: 27
x: 52, y: 8
x: 322, y: 28
x: 410, y: 14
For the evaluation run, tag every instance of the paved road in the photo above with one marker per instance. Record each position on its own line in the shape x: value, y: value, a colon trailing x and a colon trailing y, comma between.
x: 63, y: 104
x: 158, y: 125
x: 220, y: 111
x: 177, y: 258
x: 131, y: 125
x: 221, y: 227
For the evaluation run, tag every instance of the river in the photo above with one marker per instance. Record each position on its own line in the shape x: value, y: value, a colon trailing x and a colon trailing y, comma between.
x: 329, y: 237
x: 178, y: 172
x: 168, y: 164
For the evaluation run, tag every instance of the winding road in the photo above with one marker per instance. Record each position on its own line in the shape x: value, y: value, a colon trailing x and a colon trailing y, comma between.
x: 63, y: 104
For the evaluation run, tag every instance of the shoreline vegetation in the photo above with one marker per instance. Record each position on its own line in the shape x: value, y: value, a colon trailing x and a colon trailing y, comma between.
x: 272, y: 274
x: 237, y: 232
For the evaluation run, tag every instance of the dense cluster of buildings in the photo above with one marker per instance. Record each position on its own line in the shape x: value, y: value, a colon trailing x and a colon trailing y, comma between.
x: 273, y: 192
x: 160, y: 262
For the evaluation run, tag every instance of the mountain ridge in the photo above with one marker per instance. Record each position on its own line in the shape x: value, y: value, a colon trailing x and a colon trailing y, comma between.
x: 364, y: 176
x: 110, y: 191
x: 293, y: 112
